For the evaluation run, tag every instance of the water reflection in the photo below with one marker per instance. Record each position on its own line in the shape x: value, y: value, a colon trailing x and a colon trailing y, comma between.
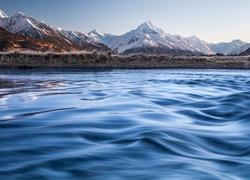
x: 25, y: 89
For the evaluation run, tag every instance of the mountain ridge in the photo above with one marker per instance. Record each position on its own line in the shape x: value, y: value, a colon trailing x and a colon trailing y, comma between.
x: 24, y: 25
x: 146, y: 39
x: 148, y: 36
x: 227, y: 48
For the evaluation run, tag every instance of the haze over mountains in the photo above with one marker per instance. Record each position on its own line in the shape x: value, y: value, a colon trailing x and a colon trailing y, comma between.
x: 145, y: 39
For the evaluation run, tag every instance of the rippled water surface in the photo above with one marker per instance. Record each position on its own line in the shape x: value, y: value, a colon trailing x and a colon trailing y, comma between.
x: 125, y: 124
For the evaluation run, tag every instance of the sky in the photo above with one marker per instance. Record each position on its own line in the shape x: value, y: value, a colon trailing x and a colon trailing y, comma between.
x: 211, y: 20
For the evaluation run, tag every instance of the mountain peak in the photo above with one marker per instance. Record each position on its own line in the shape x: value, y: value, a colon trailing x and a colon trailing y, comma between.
x: 193, y: 37
x: 2, y: 14
x: 148, y: 24
x: 19, y: 14
x: 237, y: 41
x: 148, y: 27
x: 96, y: 32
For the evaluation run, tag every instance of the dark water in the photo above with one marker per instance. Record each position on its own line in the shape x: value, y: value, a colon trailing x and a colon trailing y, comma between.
x: 125, y: 124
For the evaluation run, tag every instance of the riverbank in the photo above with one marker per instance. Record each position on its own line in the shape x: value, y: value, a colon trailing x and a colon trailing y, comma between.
x: 96, y: 60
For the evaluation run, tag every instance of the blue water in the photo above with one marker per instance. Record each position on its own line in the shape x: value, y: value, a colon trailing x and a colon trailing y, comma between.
x: 125, y: 124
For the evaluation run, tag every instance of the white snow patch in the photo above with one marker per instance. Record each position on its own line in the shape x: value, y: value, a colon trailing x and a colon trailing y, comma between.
x: 2, y: 14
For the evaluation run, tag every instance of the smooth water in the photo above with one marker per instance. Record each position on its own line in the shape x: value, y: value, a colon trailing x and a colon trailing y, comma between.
x: 125, y: 124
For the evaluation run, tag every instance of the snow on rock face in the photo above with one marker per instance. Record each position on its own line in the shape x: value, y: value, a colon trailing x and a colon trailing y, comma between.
x: 23, y: 25
x: 2, y: 14
x: 101, y: 37
x: 96, y: 35
x: 83, y: 40
x: 229, y: 48
x: 241, y: 50
x: 146, y: 35
x: 149, y: 27
x: 76, y: 37
x: 195, y: 44
x: 97, y: 32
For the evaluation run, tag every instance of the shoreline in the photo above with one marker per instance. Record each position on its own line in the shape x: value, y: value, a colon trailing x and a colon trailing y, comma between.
x: 107, y: 61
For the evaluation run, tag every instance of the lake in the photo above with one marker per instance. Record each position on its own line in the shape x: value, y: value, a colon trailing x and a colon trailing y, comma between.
x: 124, y: 124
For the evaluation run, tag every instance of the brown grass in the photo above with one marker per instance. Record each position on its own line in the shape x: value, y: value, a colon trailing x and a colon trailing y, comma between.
x: 107, y: 60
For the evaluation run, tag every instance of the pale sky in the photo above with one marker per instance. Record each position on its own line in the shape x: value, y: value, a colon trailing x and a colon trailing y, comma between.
x: 210, y: 20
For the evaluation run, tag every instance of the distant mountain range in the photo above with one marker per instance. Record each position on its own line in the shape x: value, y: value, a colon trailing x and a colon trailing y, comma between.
x: 227, y: 48
x: 149, y: 39
x: 145, y: 39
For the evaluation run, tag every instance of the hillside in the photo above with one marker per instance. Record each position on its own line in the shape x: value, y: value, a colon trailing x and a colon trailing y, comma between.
x: 14, y: 42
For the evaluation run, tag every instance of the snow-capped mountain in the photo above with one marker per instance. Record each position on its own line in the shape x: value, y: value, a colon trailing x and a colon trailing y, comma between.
x: 149, y: 39
x: 146, y: 39
x: 243, y: 50
x: 2, y: 14
x: 83, y: 40
x: 24, y: 25
x: 101, y: 37
x: 227, y: 48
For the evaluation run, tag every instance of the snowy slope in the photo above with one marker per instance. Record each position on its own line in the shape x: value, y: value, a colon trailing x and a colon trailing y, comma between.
x: 75, y: 36
x: 227, y: 48
x: 24, y: 25
x: 192, y: 43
